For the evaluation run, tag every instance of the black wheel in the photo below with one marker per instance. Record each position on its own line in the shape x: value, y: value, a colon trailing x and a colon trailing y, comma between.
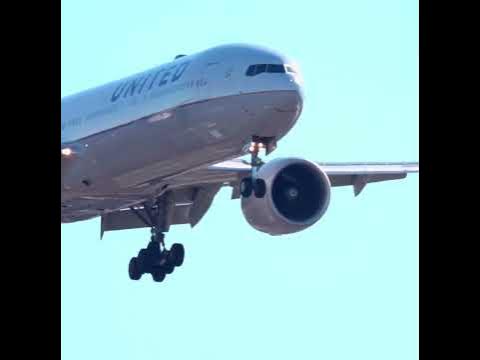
x: 176, y: 255
x: 134, y: 270
x: 246, y: 187
x: 168, y: 268
x: 158, y: 275
x: 143, y: 253
x: 153, y: 249
x: 144, y: 260
x: 259, y: 188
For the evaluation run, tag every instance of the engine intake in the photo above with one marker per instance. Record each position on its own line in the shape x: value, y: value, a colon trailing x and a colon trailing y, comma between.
x: 297, y: 195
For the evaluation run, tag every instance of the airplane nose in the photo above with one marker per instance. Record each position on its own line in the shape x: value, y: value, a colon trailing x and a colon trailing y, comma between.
x: 291, y: 100
x: 300, y: 95
x: 296, y: 83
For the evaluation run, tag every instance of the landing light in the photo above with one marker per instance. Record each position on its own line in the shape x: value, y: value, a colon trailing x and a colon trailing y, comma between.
x: 67, y: 152
x: 256, y: 146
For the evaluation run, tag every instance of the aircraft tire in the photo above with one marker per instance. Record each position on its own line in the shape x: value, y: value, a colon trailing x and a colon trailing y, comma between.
x: 143, y: 255
x: 168, y: 268
x: 158, y: 275
x: 152, y: 249
x: 144, y: 260
x: 259, y: 188
x: 134, y: 270
x: 176, y: 255
x: 246, y: 187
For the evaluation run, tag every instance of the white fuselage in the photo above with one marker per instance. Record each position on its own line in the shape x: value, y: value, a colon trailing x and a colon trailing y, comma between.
x: 128, y: 136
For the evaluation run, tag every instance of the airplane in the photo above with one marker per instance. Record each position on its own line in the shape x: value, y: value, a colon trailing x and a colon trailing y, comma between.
x: 153, y: 149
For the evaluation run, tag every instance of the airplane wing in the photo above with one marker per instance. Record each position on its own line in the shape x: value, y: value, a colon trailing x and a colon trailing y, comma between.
x: 193, y: 192
x: 357, y: 175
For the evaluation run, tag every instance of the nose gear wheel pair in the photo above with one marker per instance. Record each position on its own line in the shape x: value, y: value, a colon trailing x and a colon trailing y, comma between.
x: 252, y: 184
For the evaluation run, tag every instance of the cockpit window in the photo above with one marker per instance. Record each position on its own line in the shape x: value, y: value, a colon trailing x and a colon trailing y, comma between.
x: 260, y: 69
x: 268, y: 68
x: 290, y: 69
x: 251, y: 70
x: 275, y: 68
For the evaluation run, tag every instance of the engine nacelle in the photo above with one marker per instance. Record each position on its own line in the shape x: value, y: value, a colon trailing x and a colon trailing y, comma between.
x: 297, y: 195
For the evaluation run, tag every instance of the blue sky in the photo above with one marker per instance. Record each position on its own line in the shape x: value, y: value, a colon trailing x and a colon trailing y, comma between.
x: 346, y: 288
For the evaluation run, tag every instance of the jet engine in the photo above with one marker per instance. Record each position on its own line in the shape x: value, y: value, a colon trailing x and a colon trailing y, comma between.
x: 295, y: 193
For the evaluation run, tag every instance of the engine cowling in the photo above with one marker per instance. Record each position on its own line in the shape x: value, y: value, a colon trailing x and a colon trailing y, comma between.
x: 297, y: 195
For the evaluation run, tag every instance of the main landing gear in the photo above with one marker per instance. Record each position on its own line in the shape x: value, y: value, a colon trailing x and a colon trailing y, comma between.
x: 252, y: 184
x: 156, y: 259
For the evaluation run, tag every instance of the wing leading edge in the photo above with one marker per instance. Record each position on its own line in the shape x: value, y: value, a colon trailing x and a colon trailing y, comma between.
x: 357, y: 175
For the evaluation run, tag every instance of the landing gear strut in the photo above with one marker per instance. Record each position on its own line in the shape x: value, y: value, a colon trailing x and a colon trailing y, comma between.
x: 252, y: 184
x: 156, y: 259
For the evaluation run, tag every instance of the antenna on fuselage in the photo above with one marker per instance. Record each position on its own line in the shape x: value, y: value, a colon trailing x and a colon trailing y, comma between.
x: 179, y: 56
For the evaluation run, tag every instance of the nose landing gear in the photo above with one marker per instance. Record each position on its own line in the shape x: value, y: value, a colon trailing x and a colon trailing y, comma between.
x: 252, y: 184
x: 156, y: 259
